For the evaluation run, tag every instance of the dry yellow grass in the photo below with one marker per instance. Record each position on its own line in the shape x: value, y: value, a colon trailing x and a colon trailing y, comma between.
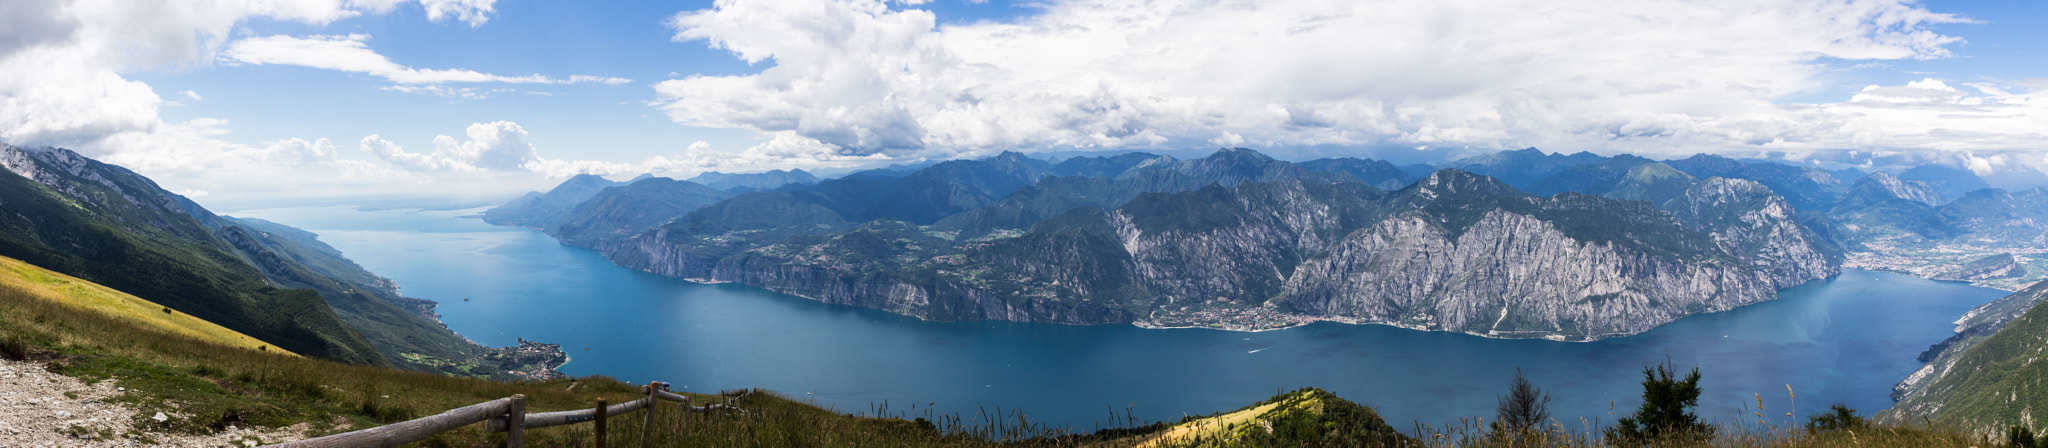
x: 1206, y: 427
x: 84, y: 295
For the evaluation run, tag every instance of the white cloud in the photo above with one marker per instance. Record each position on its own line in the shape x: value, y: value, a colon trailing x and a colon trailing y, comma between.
x: 2009, y: 119
x: 782, y: 150
x: 350, y: 53
x: 495, y: 146
x: 1661, y: 75
x: 473, y: 12
x: 505, y: 147
x: 467, y: 93
x: 64, y: 61
x: 294, y: 151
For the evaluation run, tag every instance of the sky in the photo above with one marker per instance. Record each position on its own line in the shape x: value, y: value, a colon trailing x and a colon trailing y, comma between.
x: 254, y: 101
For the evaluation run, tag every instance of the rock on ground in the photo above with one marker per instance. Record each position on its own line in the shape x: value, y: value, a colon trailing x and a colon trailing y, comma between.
x: 34, y: 412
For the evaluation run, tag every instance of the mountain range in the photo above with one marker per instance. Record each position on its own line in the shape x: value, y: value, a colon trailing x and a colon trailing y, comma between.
x: 1241, y: 240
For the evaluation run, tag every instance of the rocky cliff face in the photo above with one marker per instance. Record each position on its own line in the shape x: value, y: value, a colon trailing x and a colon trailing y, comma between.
x: 1747, y: 220
x: 1455, y: 252
x: 1519, y: 273
x: 1510, y: 275
x: 1914, y: 191
x: 2002, y: 265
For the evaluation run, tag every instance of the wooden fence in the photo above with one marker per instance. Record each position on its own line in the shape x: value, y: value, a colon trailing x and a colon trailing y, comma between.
x: 508, y: 415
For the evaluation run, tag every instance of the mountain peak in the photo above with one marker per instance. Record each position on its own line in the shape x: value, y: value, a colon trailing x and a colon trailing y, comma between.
x: 1238, y: 154
x: 1010, y: 156
x: 1915, y: 191
x: 582, y: 183
x: 1457, y: 182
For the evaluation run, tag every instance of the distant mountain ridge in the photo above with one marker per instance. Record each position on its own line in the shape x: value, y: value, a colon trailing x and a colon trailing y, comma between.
x: 869, y: 238
x: 547, y: 210
x: 1144, y: 245
x: 742, y: 183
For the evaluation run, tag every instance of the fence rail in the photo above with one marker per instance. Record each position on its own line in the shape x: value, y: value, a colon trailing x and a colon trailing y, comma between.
x: 508, y: 415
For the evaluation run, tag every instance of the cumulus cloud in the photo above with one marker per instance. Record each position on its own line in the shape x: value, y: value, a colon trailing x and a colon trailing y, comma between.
x: 495, y: 146
x: 1666, y: 75
x: 1930, y: 114
x: 505, y: 147
x: 473, y: 12
x: 295, y: 151
x: 351, y: 53
x: 64, y: 61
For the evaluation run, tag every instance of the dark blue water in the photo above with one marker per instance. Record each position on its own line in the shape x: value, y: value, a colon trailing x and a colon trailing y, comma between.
x: 1844, y: 340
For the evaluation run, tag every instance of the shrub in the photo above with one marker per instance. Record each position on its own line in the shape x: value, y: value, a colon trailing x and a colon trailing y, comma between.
x: 14, y: 347
x: 1839, y: 416
x: 1666, y: 412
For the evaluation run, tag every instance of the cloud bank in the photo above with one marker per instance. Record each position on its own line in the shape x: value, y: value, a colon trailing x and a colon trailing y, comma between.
x: 350, y: 53
x: 1657, y: 76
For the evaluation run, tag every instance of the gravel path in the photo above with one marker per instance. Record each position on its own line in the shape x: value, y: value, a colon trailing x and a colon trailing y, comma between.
x: 34, y: 412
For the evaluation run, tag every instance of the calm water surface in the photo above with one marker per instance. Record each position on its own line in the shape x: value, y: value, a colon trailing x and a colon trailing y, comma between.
x: 1843, y: 340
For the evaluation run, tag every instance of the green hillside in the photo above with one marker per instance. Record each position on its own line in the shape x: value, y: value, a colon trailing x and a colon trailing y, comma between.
x: 158, y: 252
x: 1994, y: 383
x: 39, y: 283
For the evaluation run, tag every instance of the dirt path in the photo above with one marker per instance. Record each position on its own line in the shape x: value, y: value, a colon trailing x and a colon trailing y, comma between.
x: 36, y: 412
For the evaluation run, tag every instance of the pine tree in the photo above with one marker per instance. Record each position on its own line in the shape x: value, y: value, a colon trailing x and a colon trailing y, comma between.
x: 1666, y: 411
x: 1522, y: 412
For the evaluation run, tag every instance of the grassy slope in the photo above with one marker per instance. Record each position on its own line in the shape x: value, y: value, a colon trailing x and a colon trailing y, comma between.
x: 168, y: 257
x: 1306, y: 417
x: 69, y: 291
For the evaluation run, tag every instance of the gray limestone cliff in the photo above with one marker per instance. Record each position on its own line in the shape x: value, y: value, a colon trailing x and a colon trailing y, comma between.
x: 1454, y: 252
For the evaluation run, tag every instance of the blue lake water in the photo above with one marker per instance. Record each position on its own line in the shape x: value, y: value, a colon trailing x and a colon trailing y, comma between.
x: 1844, y: 340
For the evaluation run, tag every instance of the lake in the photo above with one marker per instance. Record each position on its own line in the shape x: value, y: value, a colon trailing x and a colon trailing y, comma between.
x: 1845, y: 340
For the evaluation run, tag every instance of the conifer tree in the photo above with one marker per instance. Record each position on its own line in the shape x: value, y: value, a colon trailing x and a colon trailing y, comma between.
x: 1666, y: 412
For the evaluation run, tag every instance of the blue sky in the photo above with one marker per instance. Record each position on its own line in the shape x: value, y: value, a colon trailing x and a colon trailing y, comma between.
x: 311, y: 98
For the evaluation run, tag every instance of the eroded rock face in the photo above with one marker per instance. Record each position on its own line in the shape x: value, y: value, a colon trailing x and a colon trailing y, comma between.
x: 1751, y: 223
x: 1510, y: 275
x: 1454, y: 252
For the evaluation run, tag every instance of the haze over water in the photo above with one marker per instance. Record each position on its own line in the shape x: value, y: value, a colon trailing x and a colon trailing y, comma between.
x: 1847, y: 340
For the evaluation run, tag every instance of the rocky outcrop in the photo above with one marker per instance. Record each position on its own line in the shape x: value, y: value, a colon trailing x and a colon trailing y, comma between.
x: 828, y: 280
x: 1511, y: 275
x: 2002, y: 265
x: 1747, y: 220
x: 1914, y: 191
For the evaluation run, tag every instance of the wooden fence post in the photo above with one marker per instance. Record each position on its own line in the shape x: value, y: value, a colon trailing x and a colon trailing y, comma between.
x: 515, y: 422
x: 648, y: 424
x: 599, y: 437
